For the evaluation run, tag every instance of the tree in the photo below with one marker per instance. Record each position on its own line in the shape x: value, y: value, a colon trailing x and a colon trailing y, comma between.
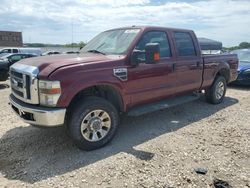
x: 244, y: 45
x: 81, y: 44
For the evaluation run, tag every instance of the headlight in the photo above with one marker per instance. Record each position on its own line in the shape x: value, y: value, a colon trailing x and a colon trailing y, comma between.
x: 49, y: 92
x: 246, y: 71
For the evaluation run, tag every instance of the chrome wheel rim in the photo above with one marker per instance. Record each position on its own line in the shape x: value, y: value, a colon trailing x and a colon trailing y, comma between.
x: 95, y: 125
x: 219, y: 92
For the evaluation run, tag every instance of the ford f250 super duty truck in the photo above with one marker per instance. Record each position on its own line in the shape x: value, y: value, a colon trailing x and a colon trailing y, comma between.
x: 132, y: 70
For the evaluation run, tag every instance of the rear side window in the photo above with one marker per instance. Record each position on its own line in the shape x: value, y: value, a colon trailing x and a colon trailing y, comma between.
x: 159, y: 37
x: 184, y: 44
x: 15, y: 51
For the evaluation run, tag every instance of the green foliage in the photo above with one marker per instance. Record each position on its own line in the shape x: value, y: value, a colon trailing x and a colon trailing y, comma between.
x: 244, y: 45
x: 240, y: 46
x: 74, y: 45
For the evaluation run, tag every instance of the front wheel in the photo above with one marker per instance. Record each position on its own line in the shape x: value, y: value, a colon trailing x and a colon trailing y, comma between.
x: 216, y: 93
x: 4, y: 75
x: 93, y: 123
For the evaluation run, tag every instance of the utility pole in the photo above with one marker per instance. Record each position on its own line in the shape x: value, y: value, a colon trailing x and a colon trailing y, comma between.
x: 72, y: 32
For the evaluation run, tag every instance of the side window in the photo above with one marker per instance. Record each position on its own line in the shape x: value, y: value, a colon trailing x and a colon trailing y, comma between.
x: 16, y: 57
x: 15, y: 51
x: 184, y: 44
x: 159, y: 37
x: 6, y: 51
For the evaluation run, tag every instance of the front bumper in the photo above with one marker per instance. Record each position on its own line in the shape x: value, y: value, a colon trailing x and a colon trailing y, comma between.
x: 37, y: 115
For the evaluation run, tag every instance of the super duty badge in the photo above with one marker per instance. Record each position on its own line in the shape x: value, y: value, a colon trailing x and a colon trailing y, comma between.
x: 121, y: 73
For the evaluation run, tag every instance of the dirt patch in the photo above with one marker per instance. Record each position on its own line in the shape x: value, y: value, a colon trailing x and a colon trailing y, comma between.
x: 161, y: 149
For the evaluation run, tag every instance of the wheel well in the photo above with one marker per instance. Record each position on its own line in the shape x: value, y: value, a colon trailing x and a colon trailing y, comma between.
x: 107, y: 92
x: 225, y: 73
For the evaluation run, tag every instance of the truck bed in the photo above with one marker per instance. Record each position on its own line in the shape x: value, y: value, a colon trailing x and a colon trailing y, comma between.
x: 213, y: 63
x: 219, y: 57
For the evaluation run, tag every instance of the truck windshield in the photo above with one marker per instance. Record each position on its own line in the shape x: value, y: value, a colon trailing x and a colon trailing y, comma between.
x: 111, y: 42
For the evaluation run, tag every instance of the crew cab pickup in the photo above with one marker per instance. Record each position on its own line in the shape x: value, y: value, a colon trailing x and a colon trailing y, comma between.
x: 132, y: 70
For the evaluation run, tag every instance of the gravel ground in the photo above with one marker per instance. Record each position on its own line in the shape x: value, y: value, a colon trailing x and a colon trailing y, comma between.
x: 160, y: 149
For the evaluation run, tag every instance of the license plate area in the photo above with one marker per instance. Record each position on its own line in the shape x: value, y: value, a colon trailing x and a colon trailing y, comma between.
x: 24, y: 115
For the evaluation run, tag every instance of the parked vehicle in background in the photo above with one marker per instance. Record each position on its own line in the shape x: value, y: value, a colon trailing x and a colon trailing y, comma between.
x: 36, y: 51
x: 51, y: 53
x: 4, y: 71
x: 133, y: 70
x: 13, y: 58
x: 71, y: 52
x: 244, y: 67
x: 8, y: 60
x: 209, y: 46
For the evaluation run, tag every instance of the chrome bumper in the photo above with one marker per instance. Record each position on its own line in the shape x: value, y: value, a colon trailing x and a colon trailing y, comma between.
x: 36, y: 115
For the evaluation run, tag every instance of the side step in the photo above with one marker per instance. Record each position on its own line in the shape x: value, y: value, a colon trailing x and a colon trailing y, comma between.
x: 152, y: 107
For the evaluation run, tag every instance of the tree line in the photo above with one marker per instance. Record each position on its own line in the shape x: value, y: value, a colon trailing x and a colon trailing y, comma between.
x: 70, y: 45
x: 82, y: 44
x: 242, y: 45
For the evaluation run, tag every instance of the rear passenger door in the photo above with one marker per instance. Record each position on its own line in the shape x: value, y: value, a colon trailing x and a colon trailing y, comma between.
x: 189, y: 64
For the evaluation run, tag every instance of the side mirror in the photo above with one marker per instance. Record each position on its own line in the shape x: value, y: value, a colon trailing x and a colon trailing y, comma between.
x: 152, y: 51
x: 135, y: 60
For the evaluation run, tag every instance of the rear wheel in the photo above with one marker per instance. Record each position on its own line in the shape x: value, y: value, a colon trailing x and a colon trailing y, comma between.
x: 216, y: 93
x: 93, y: 123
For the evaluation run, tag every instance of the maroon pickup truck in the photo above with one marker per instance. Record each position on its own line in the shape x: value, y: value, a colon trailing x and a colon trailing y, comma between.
x: 132, y: 70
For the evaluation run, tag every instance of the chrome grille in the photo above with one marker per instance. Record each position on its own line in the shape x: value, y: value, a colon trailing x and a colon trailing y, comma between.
x: 23, y: 79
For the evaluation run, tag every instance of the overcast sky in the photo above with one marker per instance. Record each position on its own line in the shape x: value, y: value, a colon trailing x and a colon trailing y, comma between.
x: 50, y: 21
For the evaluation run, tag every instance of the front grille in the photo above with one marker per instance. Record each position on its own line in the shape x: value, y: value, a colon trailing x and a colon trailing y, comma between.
x: 23, y: 79
x: 16, y: 74
x: 20, y: 84
x: 28, y: 83
x: 19, y: 93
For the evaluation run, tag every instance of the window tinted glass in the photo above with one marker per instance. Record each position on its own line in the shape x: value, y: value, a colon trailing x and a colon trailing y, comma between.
x: 6, y: 51
x: 184, y: 44
x: 159, y: 37
x: 15, y: 51
x: 16, y: 57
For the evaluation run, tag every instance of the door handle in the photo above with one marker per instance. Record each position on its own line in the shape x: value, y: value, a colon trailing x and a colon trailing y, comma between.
x: 198, y: 63
x: 173, y: 67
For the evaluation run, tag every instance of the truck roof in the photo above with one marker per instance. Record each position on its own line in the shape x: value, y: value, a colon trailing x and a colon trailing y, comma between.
x: 151, y: 27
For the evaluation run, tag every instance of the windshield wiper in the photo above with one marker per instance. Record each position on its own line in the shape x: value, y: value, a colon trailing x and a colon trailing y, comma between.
x: 96, y: 51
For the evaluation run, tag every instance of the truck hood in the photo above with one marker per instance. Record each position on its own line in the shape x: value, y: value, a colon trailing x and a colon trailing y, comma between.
x: 48, y: 64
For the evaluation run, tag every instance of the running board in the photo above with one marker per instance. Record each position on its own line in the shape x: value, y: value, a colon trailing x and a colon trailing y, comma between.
x: 160, y: 105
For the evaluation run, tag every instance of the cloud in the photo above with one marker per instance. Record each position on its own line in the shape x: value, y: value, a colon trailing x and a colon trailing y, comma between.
x: 51, y: 21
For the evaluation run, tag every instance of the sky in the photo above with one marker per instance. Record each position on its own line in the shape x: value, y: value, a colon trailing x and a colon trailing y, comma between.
x: 54, y: 21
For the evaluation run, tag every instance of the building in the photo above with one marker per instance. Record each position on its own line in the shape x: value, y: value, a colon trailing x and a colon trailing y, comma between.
x: 11, y: 38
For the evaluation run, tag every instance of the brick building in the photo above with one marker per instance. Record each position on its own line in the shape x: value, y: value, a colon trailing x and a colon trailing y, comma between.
x: 11, y: 38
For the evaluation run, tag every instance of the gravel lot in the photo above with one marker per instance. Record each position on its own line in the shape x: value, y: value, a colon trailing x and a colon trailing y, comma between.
x: 160, y: 149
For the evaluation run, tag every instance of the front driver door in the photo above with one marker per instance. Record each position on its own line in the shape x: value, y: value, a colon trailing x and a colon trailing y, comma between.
x: 150, y: 82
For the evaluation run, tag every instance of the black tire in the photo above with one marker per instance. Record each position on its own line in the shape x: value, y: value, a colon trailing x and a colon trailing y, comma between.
x: 81, y: 111
x: 211, y: 93
x: 4, y: 75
